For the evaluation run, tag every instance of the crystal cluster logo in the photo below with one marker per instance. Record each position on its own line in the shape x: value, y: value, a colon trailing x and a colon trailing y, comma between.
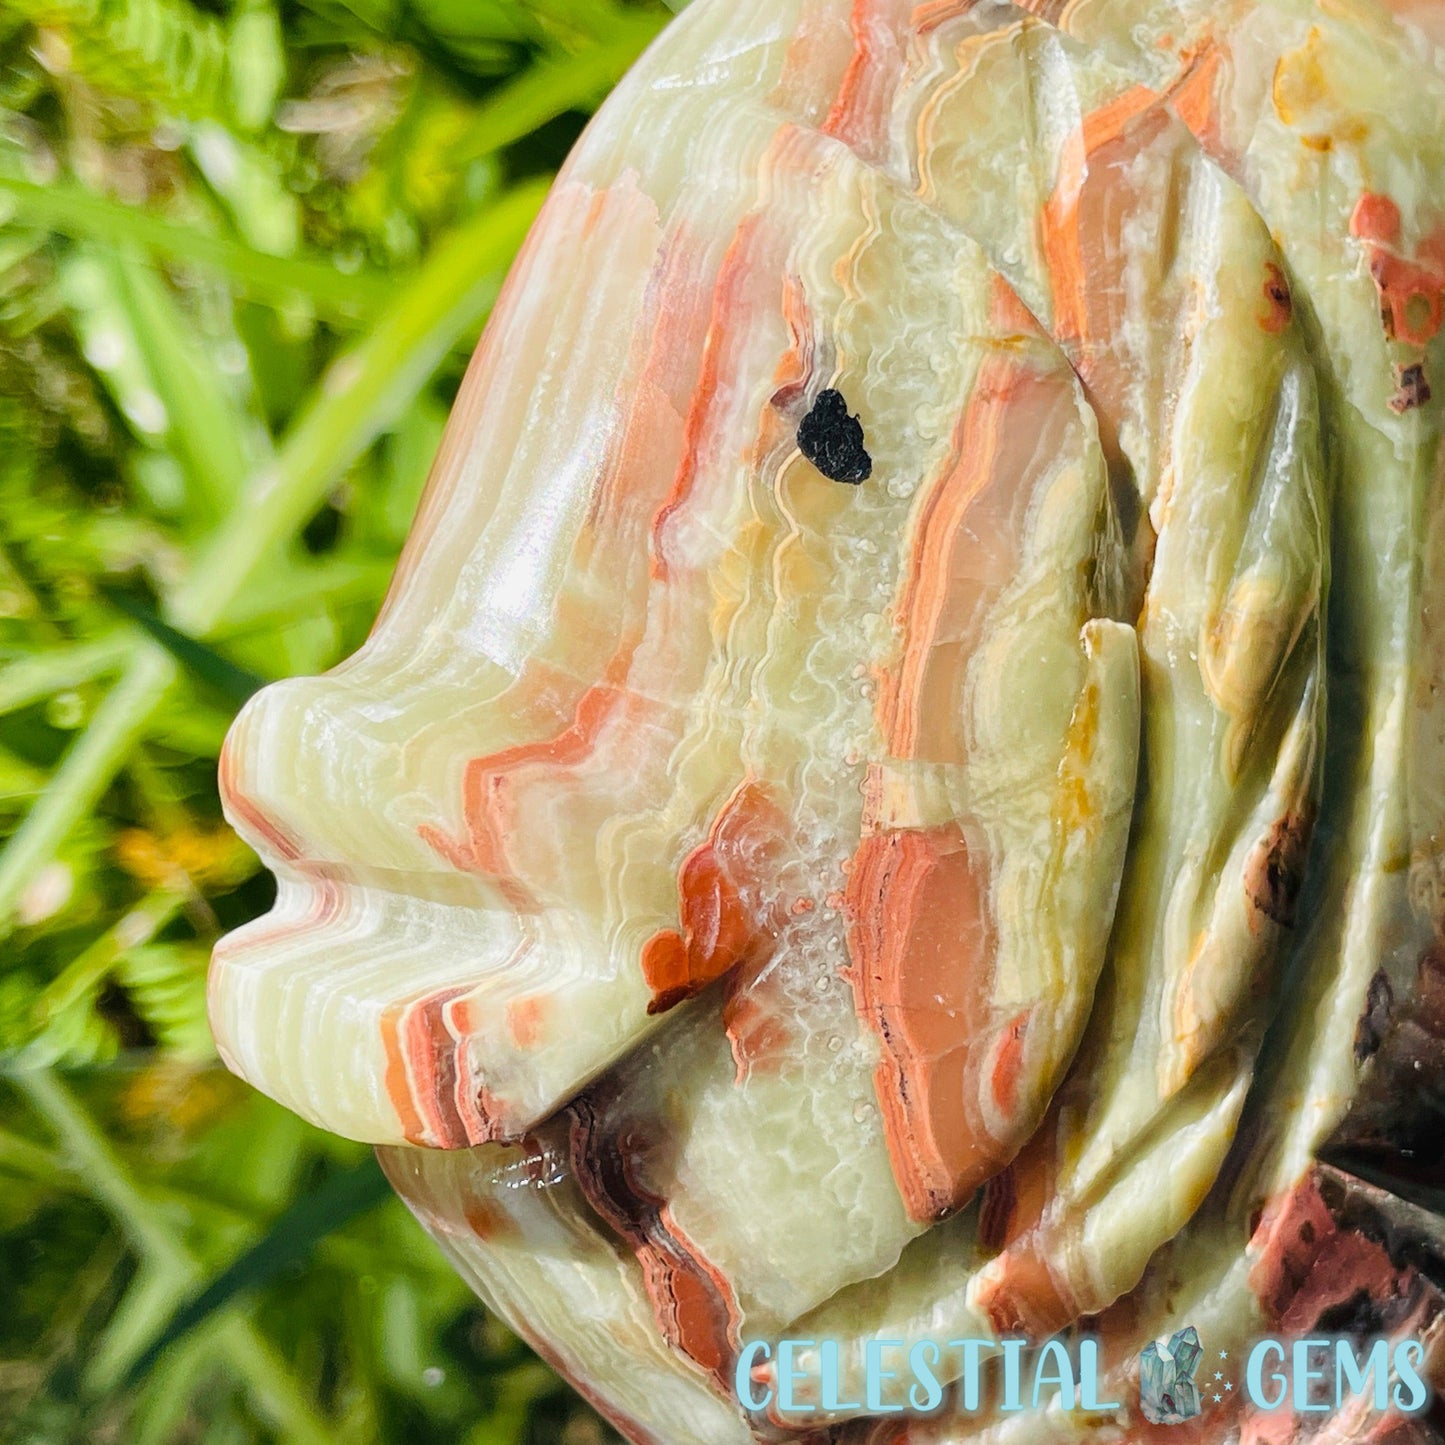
x: 1168, y: 1394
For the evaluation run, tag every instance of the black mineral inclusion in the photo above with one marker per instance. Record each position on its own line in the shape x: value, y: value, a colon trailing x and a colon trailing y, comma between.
x: 833, y: 441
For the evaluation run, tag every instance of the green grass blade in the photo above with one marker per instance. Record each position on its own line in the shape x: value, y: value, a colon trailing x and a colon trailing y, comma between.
x: 83, y: 215
x: 207, y: 430
x: 288, y: 593
x: 159, y: 1414
x: 552, y: 87
x: 290, y: 1240
x: 358, y: 399
x: 29, y: 680
x: 23, y: 1157
x: 199, y: 659
x: 149, y: 1299
x: 101, y: 1172
x: 107, y: 1180
x: 85, y: 972
x: 84, y: 775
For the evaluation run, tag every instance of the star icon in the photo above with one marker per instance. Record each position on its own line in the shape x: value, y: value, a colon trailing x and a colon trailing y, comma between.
x: 1227, y: 1385
x: 1224, y: 1354
x: 1218, y: 1398
x: 1219, y: 1374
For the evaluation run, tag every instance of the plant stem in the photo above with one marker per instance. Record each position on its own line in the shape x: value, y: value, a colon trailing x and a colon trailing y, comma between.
x: 19, y: 1155
x: 85, y: 774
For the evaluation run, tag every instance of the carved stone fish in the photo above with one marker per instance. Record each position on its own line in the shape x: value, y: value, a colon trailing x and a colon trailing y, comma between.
x: 814, y: 843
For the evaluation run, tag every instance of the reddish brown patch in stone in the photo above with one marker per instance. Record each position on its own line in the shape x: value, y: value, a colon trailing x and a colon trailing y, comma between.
x: 1319, y: 1272
x: 951, y: 1083
x: 920, y: 947
x: 1309, y: 1266
x: 1080, y: 221
x: 1412, y: 288
x: 999, y: 1197
x: 665, y: 967
x: 1279, y: 308
x: 1428, y: 1005
x: 421, y: 1071
x: 1008, y: 1063
x: 1375, y: 218
x: 719, y: 886
x: 1007, y: 312
x: 860, y: 113
x: 1411, y: 388
x: 497, y: 787
x: 1096, y: 192
x: 1411, y: 305
x: 1394, y: 1124
x: 1026, y: 1297
x: 488, y: 1220
x: 742, y: 268
x: 1193, y: 96
x: 693, y: 1303
x: 524, y: 1020
x: 395, y: 1081
x: 798, y: 362
x: 1275, y: 869
x: 1022, y: 1290
x: 1015, y: 425
x: 1287, y: 1241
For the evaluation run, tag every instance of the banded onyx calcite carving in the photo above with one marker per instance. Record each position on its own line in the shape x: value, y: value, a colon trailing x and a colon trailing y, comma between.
x: 897, y: 792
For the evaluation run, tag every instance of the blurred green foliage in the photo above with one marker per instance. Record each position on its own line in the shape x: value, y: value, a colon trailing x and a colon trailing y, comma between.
x: 245, y: 250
